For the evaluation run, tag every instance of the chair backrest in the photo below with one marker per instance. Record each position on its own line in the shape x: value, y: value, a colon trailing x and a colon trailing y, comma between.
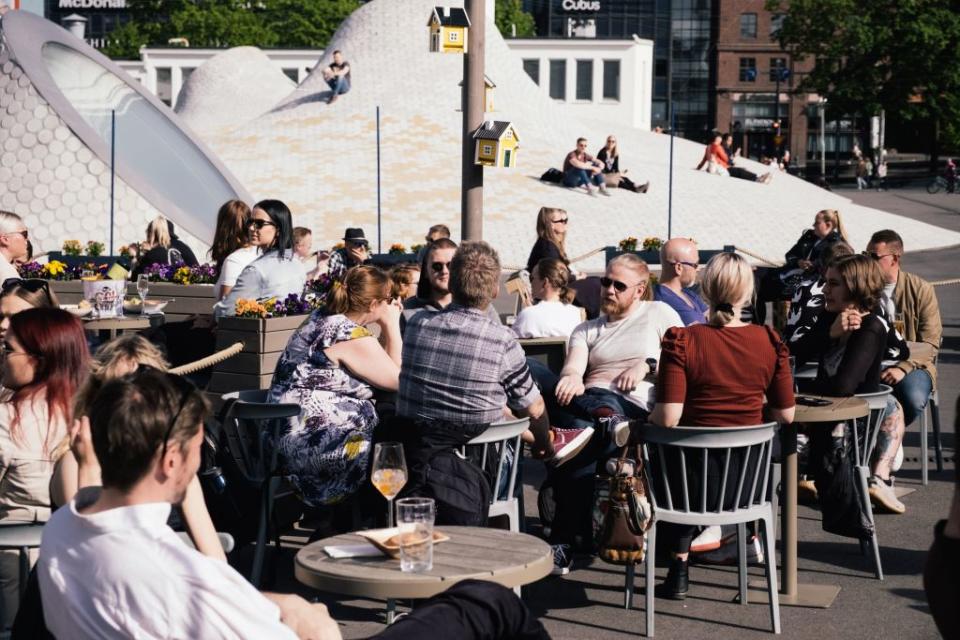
x: 865, y: 433
x: 245, y: 416
x: 498, y: 435
x: 677, y: 463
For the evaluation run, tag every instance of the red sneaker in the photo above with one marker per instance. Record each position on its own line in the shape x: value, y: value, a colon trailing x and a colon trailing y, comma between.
x: 569, y: 442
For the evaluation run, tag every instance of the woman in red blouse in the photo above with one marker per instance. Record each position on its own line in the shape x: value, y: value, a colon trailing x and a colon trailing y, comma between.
x: 716, y: 375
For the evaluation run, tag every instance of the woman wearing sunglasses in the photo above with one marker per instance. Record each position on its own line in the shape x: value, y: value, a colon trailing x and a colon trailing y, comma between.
x: 277, y: 272
x: 45, y: 360
x: 551, y: 237
x: 19, y: 295
x: 232, y: 250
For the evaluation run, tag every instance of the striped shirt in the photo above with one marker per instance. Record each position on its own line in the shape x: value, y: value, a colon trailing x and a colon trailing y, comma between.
x: 460, y: 366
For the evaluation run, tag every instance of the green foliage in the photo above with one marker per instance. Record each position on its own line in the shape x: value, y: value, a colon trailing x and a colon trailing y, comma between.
x: 229, y: 23
x: 510, y: 13
x: 897, y: 55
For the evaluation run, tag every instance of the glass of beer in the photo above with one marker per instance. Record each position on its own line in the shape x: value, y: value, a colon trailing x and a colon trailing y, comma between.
x: 389, y: 473
x: 898, y: 323
x: 415, y: 518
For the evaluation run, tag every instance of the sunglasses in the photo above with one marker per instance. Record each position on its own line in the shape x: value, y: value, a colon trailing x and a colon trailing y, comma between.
x: 877, y: 256
x: 360, y: 244
x: 259, y: 224
x: 560, y: 221
x: 692, y: 265
x: 30, y: 284
x: 438, y: 267
x: 620, y: 287
x: 22, y: 232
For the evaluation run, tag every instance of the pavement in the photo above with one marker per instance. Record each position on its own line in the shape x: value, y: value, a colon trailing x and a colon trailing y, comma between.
x: 588, y: 603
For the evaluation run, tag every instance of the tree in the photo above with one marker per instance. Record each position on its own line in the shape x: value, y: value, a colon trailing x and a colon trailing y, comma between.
x: 893, y: 55
x: 510, y: 15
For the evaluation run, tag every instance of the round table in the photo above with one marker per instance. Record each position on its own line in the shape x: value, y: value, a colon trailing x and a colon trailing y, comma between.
x: 119, y: 324
x: 507, y: 558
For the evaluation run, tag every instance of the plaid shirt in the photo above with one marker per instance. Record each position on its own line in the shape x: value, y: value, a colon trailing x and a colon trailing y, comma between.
x: 460, y: 366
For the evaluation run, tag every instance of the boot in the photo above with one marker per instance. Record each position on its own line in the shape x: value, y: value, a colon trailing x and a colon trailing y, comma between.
x: 677, y: 584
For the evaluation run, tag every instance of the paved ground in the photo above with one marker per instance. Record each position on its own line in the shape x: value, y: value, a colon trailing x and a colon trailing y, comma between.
x: 588, y: 603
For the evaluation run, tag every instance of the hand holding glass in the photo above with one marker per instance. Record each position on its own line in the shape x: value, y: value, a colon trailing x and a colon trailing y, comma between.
x: 389, y: 473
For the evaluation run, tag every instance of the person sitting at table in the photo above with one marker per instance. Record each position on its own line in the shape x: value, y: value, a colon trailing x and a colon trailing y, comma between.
x: 679, y: 261
x: 695, y: 388
x: 552, y: 226
x: 330, y: 367
x: 609, y: 155
x: 19, y: 295
x: 276, y: 273
x: 163, y: 247
x: 147, y: 430
x: 405, y: 278
x: 231, y: 250
x: 553, y: 315
x: 355, y: 251
x: 806, y: 306
x: 119, y: 357
x: 45, y: 361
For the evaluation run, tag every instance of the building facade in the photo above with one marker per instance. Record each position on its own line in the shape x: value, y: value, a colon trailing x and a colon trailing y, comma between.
x: 103, y: 16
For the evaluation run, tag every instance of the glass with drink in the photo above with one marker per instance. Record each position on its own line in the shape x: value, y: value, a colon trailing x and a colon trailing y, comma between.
x: 389, y: 473
x: 415, y: 518
x: 143, y: 286
x: 898, y: 323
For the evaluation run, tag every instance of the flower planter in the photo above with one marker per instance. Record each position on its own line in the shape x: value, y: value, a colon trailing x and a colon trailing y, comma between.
x: 264, y: 340
x: 390, y: 259
x: 76, y: 261
x: 186, y: 299
x: 653, y: 257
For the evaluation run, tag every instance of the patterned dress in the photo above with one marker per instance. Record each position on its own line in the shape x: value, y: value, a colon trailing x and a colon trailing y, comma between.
x: 326, y: 450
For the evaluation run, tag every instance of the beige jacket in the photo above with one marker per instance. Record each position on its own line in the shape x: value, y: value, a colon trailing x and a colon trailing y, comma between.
x: 25, y: 465
x: 917, y: 301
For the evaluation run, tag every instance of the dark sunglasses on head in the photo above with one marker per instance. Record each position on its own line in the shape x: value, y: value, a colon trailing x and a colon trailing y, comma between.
x: 438, y: 267
x: 259, y: 224
x: 561, y: 221
x: 183, y: 386
x: 30, y: 284
x: 619, y: 286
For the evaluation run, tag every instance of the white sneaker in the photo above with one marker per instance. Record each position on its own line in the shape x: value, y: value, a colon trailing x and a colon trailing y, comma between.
x: 562, y: 559
x: 709, y: 539
x: 727, y: 554
x: 884, y: 497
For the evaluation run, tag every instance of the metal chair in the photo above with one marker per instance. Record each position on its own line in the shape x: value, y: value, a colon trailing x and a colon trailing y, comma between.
x: 246, y: 415
x: 747, y: 487
x: 866, y: 441
x: 21, y: 537
x: 226, y: 540
x: 500, y: 435
x: 933, y: 406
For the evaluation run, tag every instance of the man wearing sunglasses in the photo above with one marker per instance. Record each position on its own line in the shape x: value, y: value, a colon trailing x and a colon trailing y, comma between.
x: 355, y: 251
x: 580, y: 169
x: 914, y: 298
x: 679, y: 261
x: 13, y: 244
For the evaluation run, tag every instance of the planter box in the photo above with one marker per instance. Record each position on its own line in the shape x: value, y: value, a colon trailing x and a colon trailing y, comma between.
x: 390, y: 259
x: 187, y: 300
x: 653, y: 257
x: 75, y: 261
x: 263, y: 343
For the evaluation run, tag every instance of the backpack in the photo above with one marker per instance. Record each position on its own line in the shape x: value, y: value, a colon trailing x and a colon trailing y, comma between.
x: 459, y: 488
x: 552, y: 175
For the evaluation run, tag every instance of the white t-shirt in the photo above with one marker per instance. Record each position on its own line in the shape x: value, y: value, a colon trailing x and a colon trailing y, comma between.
x: 887, y: 301
x: 7, y: 270
x: 547, y: 320
x: 233, y: 265
x: 615, y: 346
x: 123, y: 573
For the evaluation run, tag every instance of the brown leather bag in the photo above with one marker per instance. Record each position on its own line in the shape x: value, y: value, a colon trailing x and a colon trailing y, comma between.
x: 628, y: 515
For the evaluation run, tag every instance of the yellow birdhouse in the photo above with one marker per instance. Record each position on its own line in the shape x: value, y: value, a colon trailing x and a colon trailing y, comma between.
x: 488, y: 87
x: 496, y: 144
x: 449, y: 29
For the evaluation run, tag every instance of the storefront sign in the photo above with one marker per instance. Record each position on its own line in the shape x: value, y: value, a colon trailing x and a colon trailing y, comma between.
x: 581, y: 5
x: 93, y: 4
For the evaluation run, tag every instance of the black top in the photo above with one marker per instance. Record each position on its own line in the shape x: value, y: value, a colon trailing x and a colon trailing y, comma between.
x: 612, y: 166
x: 543, y: 248
x: 852, y: 367
x: 809, y: 247
x: 162, y: 255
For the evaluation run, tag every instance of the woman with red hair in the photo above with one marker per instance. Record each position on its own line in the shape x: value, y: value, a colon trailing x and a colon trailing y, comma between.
x: 45, y: 361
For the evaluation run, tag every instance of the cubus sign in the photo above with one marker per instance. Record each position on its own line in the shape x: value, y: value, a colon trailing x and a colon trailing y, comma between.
x: 581, y: 5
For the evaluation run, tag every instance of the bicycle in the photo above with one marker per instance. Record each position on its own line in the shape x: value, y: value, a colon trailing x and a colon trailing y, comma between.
x: 938, y: 184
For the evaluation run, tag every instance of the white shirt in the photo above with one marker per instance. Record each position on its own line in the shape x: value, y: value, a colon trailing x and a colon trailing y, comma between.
x: 547, y: 320
x: 887, y: 302
x: 233, y: 266
x: 7, y: 270
x: 268, y: 276
x: 616, y: 346
x: 124, y: 573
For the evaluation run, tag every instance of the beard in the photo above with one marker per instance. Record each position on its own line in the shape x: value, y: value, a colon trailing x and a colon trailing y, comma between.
x: 612, y: 307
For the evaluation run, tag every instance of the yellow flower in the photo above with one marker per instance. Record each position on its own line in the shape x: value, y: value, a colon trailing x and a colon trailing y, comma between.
x: 182, y: 275
x: 354, y: 446
x: 54, y: 268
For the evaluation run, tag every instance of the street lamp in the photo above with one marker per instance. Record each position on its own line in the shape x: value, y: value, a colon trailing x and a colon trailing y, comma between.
x: 822, y: 110
x: 781, y: 75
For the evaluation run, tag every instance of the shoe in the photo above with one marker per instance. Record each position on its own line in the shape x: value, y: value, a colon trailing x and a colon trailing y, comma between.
x: 710, y: 538
x: 618, y: 427
x: 643, y: 188
x: 562, y: 559
x: 883, y: 496
x: 569, y: 442
x: 605, y: 192
x: 677, y: 584
x: 333, y: 98
x: 806, y: 492
x: 727, y: 553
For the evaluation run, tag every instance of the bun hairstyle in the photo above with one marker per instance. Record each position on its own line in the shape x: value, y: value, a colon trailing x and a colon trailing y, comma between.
x: 727, y: 280
x: 362, y: 285
x: 558, y: 275
x: 833, y: 217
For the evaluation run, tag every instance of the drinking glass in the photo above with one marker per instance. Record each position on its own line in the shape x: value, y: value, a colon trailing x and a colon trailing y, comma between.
x: 389, y: 473
x: 898, y: 323
x: 415, y: 518
x: 793, y: 372
x: 143, y: 286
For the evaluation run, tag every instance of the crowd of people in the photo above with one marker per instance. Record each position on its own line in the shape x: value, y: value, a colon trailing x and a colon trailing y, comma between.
x: 100, y: 447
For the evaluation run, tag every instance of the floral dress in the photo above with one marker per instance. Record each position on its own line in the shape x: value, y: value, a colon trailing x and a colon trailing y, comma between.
x: 324, y: 450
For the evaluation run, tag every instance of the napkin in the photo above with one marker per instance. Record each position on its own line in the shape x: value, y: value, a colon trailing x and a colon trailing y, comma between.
x: 362, y: 550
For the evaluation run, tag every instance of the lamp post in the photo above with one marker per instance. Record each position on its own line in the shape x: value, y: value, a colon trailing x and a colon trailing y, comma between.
x: 822, y: 109
x: 471, y: 196
x: 781, y: 75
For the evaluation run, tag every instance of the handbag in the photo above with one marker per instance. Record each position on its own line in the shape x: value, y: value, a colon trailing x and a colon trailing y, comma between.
x: 628, y: 514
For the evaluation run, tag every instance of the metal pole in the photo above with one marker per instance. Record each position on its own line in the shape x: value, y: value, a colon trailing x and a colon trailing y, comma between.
x: 673, y: 126
x: 471, y: 195
x: 379, y: 248
x: 823, y: 139
x: 113, y: 172
x: 779, y: 133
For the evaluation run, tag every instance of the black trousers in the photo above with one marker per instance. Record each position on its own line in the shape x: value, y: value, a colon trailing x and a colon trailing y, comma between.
x: 469, y: 610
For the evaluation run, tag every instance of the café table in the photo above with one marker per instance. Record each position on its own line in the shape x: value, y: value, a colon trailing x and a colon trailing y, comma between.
x: 501, y: 556
x: 793, y: 593
x: 119, y: 324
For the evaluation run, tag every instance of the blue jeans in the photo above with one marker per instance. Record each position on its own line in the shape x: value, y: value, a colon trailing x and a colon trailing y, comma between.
x: 581, y: 177
x: 913, y: 392
x: 339, y: 84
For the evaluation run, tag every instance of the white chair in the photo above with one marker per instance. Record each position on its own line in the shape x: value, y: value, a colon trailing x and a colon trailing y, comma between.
x: 745, y: 491
x: 500, y: 435
x: 933, y: 406
x: 866, y: 441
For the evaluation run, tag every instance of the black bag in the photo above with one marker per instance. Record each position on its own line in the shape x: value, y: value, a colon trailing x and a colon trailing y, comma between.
x: 459, y: 488
x: 836, y: 480
x: 552, y: 175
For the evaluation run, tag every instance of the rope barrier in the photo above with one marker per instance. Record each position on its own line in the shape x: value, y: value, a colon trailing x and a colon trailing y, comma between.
x: 747, y: 252
x: 511, y: 268
x: 940, y: 283
x: 209, y: 361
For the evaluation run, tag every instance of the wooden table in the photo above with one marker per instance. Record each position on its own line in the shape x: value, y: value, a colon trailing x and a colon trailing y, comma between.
x: 497, y: 555
x: 550, y: 351
x: 120, y: 324
x: 839, y: 410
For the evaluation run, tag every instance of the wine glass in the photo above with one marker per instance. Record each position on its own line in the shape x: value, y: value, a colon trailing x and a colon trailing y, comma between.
x: 389, y: 473
x: 143, y: 286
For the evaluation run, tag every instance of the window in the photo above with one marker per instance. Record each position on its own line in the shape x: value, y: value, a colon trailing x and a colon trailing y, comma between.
x: 558, y: 79
x: 611, y: 79
x: 292, y: 74
x: 532, y: 67
x: 748, y: 69
x: 454, y: 36
x: 165, y: 85
x: 487, y: 149
x: 584, y: 79
x: 748, y: 25
x: 776, y: 23
x: 777, y: 68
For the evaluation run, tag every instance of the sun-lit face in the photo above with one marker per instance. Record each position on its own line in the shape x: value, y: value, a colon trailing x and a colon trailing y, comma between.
x: 303, y: 246
x: 621, y: 289
x: 439, y: 270
x: 887, y: 258
x: 19, y: 367
x: 836, y: 295
x: 10, y: 306
x: 821, y: 226
x: 263, y: 231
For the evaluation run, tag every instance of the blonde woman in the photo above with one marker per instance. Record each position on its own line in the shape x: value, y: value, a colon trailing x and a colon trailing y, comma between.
x: 716, y: 375
x: 77, y: 466
x: 551, y: 237
x: 157, y: 246
x: 609, y: 155
x: 554, y: 315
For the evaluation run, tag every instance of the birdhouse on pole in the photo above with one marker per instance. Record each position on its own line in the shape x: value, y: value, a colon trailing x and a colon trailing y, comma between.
x: 488, y: 87
x: 449, y: 30
x: 496, y: 144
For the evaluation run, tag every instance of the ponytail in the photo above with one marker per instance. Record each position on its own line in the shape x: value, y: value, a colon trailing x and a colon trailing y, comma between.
x: 362, y: 286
